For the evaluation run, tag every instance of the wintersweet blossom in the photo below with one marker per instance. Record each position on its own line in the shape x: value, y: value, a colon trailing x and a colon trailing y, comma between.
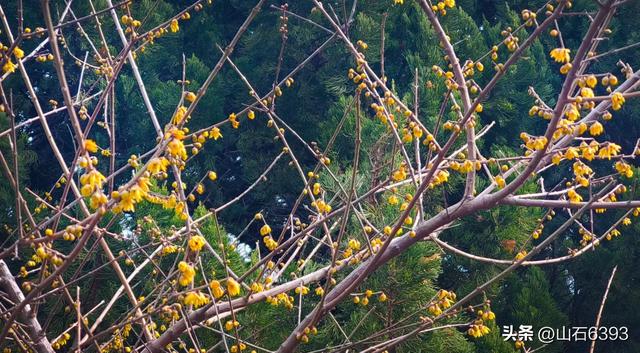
x: 561, y: 55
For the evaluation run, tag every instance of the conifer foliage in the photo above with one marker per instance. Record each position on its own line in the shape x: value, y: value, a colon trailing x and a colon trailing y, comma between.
x: 318, y: 176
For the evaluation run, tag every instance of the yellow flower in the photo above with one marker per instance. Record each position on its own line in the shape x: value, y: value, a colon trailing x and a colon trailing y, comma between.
x: 624, y: 169
x: 574, y: 197
x: 127, y: 202
x: 270, y: 243
x: 216, y: 289
x: 158, y: 165
x: 265, y: 229
x: 93, y: 178
x: 91, y: 182
x: 442, y: 177
x: 190, y: 97
x: 434, y: 309
x: 322, y: 206
x: 98, y: 199
x: 596, y: 129
x: 187, y: 273
x: 169, y: 249
x: 407, y: 137
x: 256, y: 287
x: 180, y: 115
x: 251, y: 115
x: 400, y: 174
x: 450, y: 3
x: 238, y: 347
x: 229, y: 325
x: 564, y: 69
x: 582, y: 127
x: 196, y: 243
x: 586, y: 92
x: 302, y: 290
x: 9, y: 67
x: 500, y: 181
x: 589, y: 153
x: 571, y: 153
x: 90, y: 146
x: 41, y: 253
x: 174, y: 26
x: 354, y: 244
x: 18, y: 53
x: 488, y: 316
x: 233, y: 287
x: 175, y: 133
x: 581, y: 169
x: 478, y: 330
x: 519, y: 344
x: 177, y: 149
x: 140, y: 189
x: 212, y: 176
x: 617, y: 100
x: 417, y: 132
x: 196, y: 299
x: 215, y: 133
x: 398, y: 2
x: 572, y: 113
x: 611, y: 149
x: 561, y: 55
